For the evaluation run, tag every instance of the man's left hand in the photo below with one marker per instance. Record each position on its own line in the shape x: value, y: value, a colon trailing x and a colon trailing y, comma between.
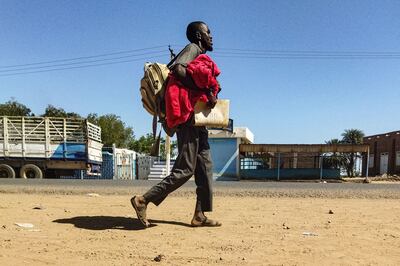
x: 212, y: 101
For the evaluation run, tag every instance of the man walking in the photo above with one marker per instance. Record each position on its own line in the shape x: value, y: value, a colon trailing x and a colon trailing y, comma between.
x: 194, y: 156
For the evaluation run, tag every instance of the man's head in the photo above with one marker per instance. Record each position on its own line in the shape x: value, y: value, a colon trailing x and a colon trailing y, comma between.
x: 198, y: 32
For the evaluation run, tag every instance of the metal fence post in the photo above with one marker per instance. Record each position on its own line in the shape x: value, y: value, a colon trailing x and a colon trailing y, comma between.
x: 279, y: 165
x: 114, y: 161
x: 321, y: 165
x: 167, y: 154
x: 366, y: 171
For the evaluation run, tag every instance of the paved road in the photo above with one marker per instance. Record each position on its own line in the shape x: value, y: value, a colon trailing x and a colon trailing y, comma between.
x: 234, y: 188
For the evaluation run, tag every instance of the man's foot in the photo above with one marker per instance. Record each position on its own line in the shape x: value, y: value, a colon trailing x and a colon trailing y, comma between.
x: 204, y: 221
x: 140, y: 206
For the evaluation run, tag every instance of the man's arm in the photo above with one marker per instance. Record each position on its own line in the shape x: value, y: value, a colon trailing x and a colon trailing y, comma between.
x: 178, y: 68
x: 187, y: 81
x: 180, y: 73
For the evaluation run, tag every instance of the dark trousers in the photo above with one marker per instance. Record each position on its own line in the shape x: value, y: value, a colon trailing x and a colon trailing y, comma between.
x: 194, y: 158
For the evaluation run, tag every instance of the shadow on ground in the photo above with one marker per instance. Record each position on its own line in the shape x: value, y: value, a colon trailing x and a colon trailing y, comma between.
x: 111, y: 222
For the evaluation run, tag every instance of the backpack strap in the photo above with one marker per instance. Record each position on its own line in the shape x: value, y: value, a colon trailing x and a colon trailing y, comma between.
x: 172, y: 61
x: 156, y: 146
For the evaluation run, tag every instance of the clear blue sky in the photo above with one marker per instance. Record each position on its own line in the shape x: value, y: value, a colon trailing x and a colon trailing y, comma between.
x: 280, y: 100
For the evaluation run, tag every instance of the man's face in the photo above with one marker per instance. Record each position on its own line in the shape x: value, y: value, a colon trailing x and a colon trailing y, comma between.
x: 206, y: 38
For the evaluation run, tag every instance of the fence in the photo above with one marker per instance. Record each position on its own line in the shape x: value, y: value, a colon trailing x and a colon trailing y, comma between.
x: 117, y: 164
x: 279, y: 168
x: 294, y: 161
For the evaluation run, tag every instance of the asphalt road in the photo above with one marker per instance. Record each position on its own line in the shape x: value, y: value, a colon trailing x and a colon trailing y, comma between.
x: 233, y: 188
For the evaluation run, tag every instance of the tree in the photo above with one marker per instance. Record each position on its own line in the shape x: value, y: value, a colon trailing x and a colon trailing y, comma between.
x: 113, y: 130
x: 145, y: 143
x: 344, y: 160
x: 14, y: 108
x: 333, y: 159
x: 52, y: 111
x: 173, y: 149
x: 351, y: 136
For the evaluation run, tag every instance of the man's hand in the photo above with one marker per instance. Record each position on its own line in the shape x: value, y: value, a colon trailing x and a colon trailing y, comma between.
x: 212, y: 101
x: 219, y: 87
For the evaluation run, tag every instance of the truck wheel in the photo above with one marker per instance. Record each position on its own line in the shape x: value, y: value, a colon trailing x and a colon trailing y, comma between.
x: 6, y: 171
x: 30, y: 171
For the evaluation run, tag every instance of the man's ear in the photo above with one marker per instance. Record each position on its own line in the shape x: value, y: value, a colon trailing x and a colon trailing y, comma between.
x: 198, y: 35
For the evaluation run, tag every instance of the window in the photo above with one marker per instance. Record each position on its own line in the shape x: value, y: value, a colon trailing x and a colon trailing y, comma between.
x: 371, y: 161
x: 398, y: 158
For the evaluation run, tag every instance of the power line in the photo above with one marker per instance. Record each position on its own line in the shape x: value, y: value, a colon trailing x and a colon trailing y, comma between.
x: 328, y: 57
x: 226, y: 51
x: 160, y: 52
x: 219, y: 54
x: 233, y: 54
x: 85, y: 57
x: 311, y: 53
x: 307, y: 51
x: 85, y: 66
x: 83, y: 62
x: 291, y: 54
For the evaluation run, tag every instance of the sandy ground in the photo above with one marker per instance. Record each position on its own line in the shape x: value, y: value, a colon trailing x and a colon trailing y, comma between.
x: 87, y: 230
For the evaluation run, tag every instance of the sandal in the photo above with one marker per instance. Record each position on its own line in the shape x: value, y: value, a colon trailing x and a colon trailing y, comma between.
x: 140, y: 212
x: 206, y: 223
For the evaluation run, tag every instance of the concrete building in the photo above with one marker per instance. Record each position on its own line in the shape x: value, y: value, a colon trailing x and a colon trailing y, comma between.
x: 292, y: 161
x: 384, y: 154
x: 224, y: 147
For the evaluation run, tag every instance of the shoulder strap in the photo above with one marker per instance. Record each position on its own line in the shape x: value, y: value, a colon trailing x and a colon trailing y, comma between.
x: 173, y: 60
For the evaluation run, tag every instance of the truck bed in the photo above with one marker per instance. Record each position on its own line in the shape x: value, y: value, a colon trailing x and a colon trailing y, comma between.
x: 50, y: 138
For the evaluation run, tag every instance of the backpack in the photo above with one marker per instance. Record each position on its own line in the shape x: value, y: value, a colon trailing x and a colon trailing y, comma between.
x: 152, y: 90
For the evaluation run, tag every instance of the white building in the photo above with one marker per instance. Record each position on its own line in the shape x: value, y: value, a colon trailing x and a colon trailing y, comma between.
x: 225, y: 150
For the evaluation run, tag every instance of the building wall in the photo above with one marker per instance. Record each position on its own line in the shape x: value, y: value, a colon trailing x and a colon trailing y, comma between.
x: 289, y: 173
x: 297, y: 160
x: 384, y: 143
x: 224, y: 153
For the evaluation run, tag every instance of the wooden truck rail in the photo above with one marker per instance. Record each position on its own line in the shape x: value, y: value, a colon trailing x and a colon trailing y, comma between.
x: 45, y: 143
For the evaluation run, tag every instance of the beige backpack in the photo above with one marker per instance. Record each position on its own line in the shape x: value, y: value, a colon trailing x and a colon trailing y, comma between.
x: 152, y: 88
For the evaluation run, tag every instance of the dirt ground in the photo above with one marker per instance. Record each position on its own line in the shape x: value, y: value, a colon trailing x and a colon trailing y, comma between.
x: 101, y: 230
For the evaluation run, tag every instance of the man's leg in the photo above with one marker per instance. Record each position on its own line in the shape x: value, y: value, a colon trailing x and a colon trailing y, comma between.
x: 183, y: 169
x: 203, y: 179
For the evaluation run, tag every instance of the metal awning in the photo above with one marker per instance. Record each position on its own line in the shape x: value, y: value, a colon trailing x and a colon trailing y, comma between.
x: 290, y: 148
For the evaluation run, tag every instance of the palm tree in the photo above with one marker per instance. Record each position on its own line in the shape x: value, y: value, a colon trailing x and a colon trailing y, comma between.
x: 351, y: 136
x: 333, y: 159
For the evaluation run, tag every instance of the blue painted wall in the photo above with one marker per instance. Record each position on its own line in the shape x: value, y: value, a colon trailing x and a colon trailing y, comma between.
x: 222, y: 150
x: 107, y: 169
x: 289, y: 173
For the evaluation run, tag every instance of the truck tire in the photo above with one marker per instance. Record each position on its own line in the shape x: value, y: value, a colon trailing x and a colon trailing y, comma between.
x: 6, y: 171
x: 30, y: 171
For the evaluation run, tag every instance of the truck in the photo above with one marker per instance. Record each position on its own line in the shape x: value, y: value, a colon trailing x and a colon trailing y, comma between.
x: 51, y: 147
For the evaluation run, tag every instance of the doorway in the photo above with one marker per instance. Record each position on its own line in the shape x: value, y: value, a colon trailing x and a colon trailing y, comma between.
x: 383, y: 169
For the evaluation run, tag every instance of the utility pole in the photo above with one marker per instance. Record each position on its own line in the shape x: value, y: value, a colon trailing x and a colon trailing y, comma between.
x: 168, y: 154
x: 167, y: 138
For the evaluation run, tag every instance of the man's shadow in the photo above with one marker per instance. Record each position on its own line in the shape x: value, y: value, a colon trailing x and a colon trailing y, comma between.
x: 111, y: 222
